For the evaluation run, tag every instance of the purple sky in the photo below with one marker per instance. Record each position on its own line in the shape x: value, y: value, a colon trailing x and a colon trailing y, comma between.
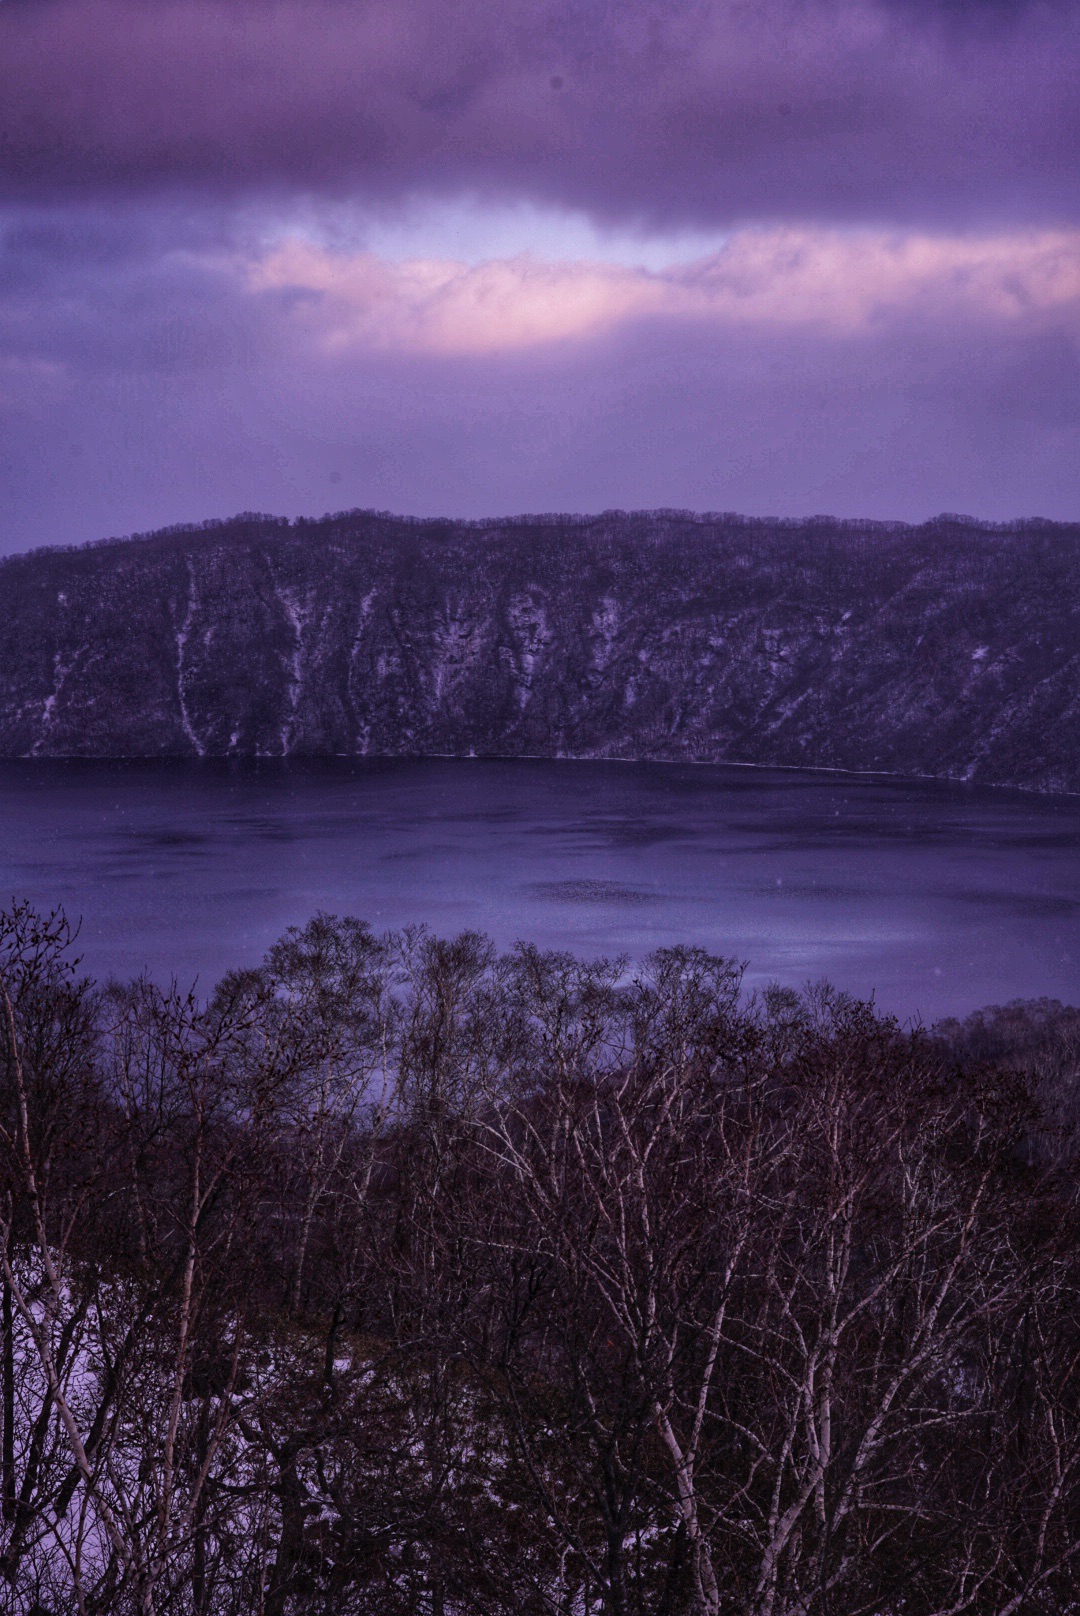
x: 439, y: 257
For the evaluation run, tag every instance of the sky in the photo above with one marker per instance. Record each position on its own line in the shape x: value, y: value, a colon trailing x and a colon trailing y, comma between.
x: 472, y: 259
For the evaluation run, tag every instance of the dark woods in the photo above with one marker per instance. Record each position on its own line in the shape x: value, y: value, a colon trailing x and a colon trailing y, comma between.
x: 401, y: 1277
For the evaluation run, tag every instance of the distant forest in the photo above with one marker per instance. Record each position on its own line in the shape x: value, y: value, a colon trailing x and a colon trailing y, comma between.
x: 950, y: 649
x: 404, y: 1277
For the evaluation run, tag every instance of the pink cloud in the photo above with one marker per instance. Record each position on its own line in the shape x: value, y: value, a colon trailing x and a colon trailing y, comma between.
x: 835, y: 281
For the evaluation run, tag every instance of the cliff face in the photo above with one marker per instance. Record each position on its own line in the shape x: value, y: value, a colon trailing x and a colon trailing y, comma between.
x: 947, y: 649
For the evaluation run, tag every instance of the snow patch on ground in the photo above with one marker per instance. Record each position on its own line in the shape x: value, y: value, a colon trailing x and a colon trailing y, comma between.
x: 61, y: 670
x: 296, y: 617
x: 455, y: 647
x: 363, y: 729
x: 605, y: 632
x: 183, y: 634
x: 528, y: 620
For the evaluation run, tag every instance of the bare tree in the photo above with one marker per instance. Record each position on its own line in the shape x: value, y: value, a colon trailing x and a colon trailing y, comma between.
x: 400, y: 1277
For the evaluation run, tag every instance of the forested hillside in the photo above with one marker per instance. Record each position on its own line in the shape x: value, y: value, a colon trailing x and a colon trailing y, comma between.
x: 948, y: 649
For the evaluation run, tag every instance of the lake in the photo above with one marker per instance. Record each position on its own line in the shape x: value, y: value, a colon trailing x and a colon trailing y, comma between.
x: 936, y: 898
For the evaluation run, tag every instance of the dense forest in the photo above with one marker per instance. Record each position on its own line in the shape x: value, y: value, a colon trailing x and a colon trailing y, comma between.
x: 401, y: 1276
x: 949, y: 649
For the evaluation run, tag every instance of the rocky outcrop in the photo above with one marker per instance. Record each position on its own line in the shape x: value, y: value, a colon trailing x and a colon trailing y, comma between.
x: 948, y: 649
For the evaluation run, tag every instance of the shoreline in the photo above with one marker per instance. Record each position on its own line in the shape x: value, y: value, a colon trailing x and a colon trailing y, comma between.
x: 893, y: 775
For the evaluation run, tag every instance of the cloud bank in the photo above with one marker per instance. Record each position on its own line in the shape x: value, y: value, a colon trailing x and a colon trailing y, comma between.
x: 673, y: 110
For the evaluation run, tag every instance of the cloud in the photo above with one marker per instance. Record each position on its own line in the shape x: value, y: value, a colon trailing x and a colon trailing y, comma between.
x: 156, y: 367
x: 834, y: 281
x: 267, y: 254
x: 856, y: 110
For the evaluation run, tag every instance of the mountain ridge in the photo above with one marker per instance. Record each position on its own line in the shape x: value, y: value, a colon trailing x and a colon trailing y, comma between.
x: 949, y: 649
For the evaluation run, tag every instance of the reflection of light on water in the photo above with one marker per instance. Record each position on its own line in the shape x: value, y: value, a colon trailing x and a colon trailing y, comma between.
x: 591, y: 892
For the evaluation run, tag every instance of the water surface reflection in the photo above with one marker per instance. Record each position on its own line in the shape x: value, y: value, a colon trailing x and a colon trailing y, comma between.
x: 936, y: 897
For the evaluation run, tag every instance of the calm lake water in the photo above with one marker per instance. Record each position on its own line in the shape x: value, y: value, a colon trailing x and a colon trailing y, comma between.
x: 936, y: 898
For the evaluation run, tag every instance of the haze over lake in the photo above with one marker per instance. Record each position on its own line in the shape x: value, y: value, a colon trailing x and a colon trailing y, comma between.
x: 937, y: 898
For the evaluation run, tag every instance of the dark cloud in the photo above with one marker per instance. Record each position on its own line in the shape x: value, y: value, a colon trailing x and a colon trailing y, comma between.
x: 846, y: 109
